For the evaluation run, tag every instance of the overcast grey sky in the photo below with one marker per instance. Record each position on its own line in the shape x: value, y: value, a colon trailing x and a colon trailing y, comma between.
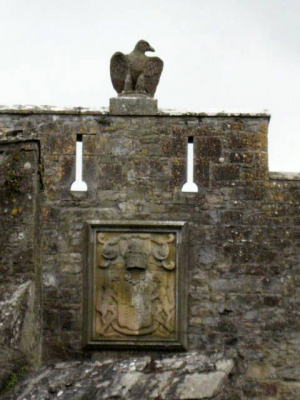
x: 218, y: 54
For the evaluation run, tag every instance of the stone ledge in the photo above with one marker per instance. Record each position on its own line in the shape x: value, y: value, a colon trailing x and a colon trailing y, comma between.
x: 217, y: 113
x: 284, y: 176
x: 30, y: 109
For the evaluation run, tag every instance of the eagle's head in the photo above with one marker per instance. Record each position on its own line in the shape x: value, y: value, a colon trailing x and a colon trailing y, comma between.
x: 143, y: 46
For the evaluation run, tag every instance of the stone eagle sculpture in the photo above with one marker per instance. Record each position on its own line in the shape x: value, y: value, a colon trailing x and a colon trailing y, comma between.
x: 136, y: 72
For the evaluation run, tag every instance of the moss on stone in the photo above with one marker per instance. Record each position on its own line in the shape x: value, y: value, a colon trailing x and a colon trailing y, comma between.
x: 15, y: 377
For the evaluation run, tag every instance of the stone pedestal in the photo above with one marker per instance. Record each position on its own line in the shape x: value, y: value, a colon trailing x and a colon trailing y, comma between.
x: 133, y: 104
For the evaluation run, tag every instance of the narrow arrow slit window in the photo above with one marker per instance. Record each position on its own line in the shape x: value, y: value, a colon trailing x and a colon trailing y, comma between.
x: 79, y: 185
x: 190, y: 185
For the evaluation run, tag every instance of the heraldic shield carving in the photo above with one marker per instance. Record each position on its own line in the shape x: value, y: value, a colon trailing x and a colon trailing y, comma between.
x: 134, y: 287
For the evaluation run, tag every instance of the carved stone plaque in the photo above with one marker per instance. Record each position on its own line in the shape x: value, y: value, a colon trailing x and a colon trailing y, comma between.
x: 135, y: 281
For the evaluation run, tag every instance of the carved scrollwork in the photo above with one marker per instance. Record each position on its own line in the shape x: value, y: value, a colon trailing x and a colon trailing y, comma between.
x: 161, y: 250
x: 110, y: 250
x: 135, y: 249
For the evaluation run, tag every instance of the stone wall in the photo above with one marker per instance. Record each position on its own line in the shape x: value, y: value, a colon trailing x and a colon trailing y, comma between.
x: 20, y: 248
x: 243, y: 230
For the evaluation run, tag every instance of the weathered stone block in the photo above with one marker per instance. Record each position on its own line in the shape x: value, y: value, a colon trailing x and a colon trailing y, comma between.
x: 178, y: 173
x: 256, y: 193
x: 175, y: 145
x: 241, y: 157
x: 132, y: 106
x: 201, y: 171
x: 248, y: 141
x: 226, y: 172
x: 209, y: 147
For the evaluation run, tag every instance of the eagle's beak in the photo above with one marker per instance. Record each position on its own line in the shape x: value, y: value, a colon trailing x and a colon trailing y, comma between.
x: 150, y: 48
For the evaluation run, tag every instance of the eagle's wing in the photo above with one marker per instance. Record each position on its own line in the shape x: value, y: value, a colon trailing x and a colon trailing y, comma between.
x: 118, y: 70
x: 152, y: 72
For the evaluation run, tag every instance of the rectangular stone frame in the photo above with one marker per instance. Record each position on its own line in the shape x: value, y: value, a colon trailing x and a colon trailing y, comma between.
x: 177, y: 227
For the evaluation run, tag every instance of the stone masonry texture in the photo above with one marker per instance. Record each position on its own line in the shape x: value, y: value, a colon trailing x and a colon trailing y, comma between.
x: 243, y: 248
x: 20, y: 248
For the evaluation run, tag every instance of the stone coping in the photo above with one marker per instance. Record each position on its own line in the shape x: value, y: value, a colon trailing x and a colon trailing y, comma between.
x: 30, y: 109
x: 284, y: 176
